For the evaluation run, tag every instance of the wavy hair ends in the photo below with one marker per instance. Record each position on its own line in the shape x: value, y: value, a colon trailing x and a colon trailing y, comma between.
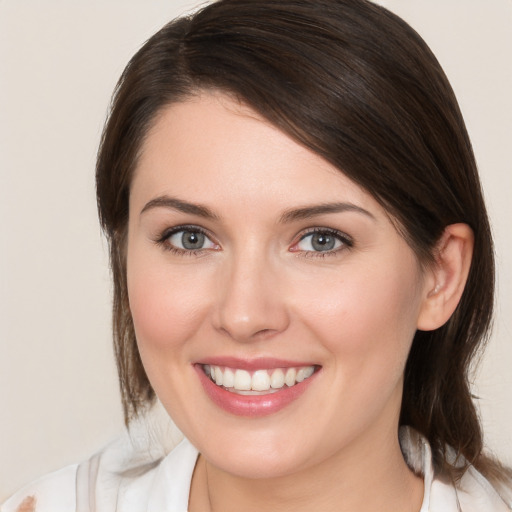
x: 356, y: 85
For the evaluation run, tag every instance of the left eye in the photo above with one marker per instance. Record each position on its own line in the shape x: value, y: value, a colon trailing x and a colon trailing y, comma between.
x: 189, y: 240
x: 321, y: 241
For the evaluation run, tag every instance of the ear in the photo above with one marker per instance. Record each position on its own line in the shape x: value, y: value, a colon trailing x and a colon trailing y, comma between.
x: 447, y: 276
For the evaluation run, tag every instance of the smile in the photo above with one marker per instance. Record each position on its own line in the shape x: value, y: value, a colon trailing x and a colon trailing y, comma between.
x: 258, y: 382
x: 257, y: 388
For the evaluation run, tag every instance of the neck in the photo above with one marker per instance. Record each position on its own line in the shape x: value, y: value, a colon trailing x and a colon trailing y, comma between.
x: 365, y: 477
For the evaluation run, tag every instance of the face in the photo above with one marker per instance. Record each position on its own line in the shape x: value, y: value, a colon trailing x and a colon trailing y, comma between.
x: 274, y: 303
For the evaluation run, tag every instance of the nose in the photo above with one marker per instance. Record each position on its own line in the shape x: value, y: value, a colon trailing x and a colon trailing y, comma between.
x: 252, y: 300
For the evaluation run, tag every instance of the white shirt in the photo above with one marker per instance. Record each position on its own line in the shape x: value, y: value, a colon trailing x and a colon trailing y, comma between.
x: 125, y: 478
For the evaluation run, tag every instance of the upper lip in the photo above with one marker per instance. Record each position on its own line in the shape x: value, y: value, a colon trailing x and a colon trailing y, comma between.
x: 259, y: 363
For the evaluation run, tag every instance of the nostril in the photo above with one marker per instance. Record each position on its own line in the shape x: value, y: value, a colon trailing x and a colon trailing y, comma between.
x: 265, y: 333
x: 246, y: 333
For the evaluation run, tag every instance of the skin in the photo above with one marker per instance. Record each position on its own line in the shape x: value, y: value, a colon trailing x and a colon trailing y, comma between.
x: 27, y: 505
x: 259, y: 289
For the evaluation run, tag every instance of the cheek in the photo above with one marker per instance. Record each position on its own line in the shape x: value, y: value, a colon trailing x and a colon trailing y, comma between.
x: 166, y: 305
x: 368, y: 318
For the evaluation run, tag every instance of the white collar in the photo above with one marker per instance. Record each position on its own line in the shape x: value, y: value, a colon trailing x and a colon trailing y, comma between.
x: 169, y: 487
x: 473, y: 493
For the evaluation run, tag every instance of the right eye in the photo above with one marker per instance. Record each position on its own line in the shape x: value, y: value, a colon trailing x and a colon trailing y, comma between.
x: 190, y: 240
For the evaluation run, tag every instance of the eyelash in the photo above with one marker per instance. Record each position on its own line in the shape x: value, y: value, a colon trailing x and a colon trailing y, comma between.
x: 163, y: 240
x: 346, y: 241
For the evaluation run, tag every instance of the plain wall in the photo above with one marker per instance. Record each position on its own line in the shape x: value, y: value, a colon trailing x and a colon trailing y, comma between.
x: 59, y: 62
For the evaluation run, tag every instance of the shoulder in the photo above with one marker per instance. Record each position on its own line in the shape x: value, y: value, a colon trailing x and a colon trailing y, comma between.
x: 102, y: 483
x: 147, y: 468
x: 472, y: 493
x: 477, y: 493
x: 54, y: 492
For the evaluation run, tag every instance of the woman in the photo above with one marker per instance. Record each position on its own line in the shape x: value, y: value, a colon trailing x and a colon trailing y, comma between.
x: 302, y: 265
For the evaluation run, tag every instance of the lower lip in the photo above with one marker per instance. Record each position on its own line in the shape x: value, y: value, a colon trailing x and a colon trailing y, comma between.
x: 252, y: 405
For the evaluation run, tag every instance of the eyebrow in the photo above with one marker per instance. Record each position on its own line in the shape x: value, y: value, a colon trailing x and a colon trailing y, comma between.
x: 308, y: 212
x: 295, y: 214
x: 179, y: 205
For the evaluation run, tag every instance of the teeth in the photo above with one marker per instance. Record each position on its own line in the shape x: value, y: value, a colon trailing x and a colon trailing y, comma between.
x: 218, y: 376
x: 277, y: 379
x: 304, y: 373
x: 243, y: 380
x: 259, y: 381
x: 228, y: 380
x: 289, y: 378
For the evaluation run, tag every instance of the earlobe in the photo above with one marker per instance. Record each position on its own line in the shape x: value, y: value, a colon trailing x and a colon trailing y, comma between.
x: 447, y: 276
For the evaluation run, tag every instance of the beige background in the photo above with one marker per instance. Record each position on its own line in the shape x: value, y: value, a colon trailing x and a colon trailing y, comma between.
x: 59, y: 62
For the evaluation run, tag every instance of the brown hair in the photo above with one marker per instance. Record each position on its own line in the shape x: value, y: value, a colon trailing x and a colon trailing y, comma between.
x: 356, y: 85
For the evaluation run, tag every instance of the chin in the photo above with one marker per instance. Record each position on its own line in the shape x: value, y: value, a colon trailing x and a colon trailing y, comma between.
x: 255, y: 465
x: 259, y: 455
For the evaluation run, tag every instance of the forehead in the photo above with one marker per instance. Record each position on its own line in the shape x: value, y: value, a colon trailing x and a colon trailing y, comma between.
x: 213, y: 148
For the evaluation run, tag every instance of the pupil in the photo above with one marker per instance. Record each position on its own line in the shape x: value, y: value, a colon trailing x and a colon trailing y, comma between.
x: 323, y: 242
x: 192, y: 240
